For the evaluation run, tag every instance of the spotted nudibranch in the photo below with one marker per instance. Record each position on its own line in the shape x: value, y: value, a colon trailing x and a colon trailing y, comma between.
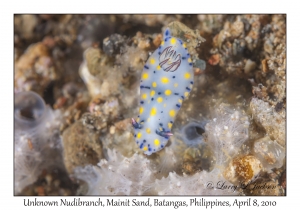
x: 167, y: 79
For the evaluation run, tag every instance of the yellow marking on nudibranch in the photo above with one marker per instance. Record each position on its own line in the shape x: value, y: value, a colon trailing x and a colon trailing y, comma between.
x: 189, y: 60
x: 158, y: 67
x: 139, y: 135
x: 162, y: 43
x: 153, y: 111
x: 152, y: 93
x: 172, y: 113
x: 168, y: 92
x: 141, y: 110
x: 159, y: 99
x: 184, y: 45
x: 176, y: 84
x: 156, y: 142
x: 186, y: 94
x: 191, y: 86
x: 145, y: 76
x: 187, y: 75
x: 154, y: 84
x: 165, y: 105
x: 173, y: 41
x: 164, y: 80
x: 152, y: 61
x: 148, y: 130
x: 170, y: 125
x: 144, y: 96
x: 180, y: 101
x: 145, y: 148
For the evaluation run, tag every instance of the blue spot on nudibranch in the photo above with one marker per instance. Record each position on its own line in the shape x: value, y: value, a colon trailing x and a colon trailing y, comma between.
x: 159, y: 93
x: 141, y: 86
x: 192, y: 82
x: 149, y: 149
x: 188, y: 88
x: 146, y: 67
x: 190, y: 64
x: 182, y: 97
x: 183, y: 58
x: 141, y: 146
x: 173, y: 76
x: 142, y: 102
x: 152, y: 99
x: 178, y: 105
x: 176, y: 94
x: 144, y: 140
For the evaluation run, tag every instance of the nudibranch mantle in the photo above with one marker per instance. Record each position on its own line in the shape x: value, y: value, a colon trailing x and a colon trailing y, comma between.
x: 166, y: 80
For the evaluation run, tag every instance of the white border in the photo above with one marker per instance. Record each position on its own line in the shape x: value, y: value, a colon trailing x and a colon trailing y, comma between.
x: 8, y: 8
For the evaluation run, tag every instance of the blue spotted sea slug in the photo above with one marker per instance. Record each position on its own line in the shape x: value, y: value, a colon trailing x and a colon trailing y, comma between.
x: 166, y: 80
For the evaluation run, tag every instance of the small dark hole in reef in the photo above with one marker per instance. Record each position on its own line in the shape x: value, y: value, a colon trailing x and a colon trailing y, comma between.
x: 199, y: 130
x: 28, y: 106
x: 27, y: 113
x: 192, y: 132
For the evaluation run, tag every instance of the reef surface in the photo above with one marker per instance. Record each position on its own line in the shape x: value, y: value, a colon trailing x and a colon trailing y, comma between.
x: 76, y: 84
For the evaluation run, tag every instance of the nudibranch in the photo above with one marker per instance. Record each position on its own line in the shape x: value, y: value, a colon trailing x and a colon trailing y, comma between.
x: 166, y: 80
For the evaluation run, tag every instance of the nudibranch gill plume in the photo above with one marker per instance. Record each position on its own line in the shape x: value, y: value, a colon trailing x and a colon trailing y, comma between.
x: 166, y: 80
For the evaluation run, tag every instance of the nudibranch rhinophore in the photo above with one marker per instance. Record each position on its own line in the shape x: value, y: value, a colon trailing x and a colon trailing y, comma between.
x: 167, y: 79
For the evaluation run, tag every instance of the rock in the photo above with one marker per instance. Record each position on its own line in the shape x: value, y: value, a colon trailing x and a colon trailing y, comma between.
x: 82, y: 146
x: 243, y: 169
x: 35, y: 69
x: 112, y: 44
x: 272, y: 121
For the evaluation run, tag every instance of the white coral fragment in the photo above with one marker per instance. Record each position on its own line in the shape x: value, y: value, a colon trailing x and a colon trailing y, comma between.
x: 119, y: 175
x: 227, y: 132
x: 36, y: 138
x: 133, y: 176
x: 269, y: 152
